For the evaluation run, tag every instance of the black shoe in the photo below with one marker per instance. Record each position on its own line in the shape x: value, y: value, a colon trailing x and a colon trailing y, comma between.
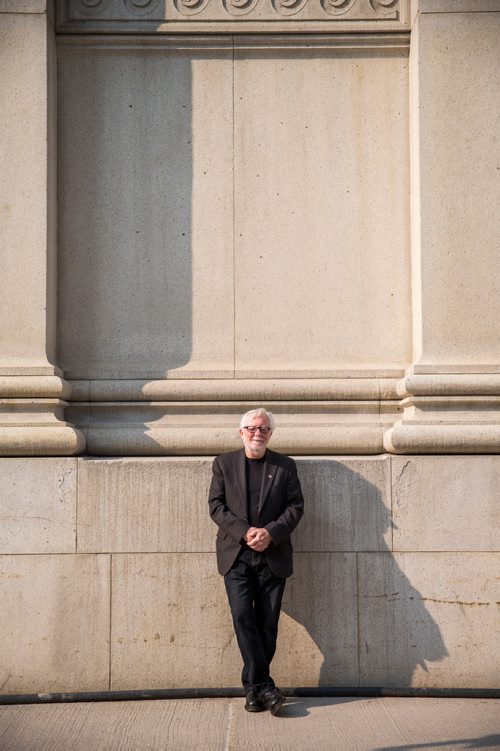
x: 273, y: 700
x: 253, y: 703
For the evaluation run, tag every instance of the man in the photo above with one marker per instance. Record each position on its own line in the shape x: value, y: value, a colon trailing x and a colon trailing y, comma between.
x: 256, y: 500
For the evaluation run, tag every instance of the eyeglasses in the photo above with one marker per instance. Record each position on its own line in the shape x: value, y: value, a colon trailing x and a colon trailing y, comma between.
x: 255, y: 428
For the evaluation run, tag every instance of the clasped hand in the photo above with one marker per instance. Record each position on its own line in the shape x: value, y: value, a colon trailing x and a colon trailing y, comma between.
x: 258, y: 538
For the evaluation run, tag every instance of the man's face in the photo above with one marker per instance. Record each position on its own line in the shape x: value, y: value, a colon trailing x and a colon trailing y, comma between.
x: 256, y: 443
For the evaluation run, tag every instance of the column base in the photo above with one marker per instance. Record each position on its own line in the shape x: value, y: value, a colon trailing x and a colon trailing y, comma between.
x: 32, y: 418
x: 442, y: 439
x: 200, y: 417
x: 457, y: 414
x: 41, y: 441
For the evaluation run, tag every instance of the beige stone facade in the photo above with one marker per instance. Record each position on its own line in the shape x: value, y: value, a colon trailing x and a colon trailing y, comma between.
x: 109, y: 581
x: 214, y: 204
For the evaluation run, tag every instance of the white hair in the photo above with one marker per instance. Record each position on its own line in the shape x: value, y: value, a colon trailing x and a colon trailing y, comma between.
x: 260, y: 412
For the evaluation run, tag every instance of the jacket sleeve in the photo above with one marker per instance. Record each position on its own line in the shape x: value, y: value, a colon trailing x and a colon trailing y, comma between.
x: 283, y: 526
x: 218, y: 510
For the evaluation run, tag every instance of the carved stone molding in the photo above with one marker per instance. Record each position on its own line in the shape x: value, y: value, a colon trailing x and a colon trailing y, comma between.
x: 388, y: 44
x: 232, y: 16
x: 200, y: 417
x: 447, y: 414
x: 32, y: 419
x: 205, y: 428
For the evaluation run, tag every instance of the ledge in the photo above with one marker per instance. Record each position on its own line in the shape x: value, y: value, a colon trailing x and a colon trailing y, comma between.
x: 443, y: 439
x: 243, y: 390
x: 60, y: 440
x: 183, y: 428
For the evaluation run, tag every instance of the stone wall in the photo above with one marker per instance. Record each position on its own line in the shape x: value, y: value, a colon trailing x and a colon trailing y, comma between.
x: 108, y: 577
x: 212, y: 205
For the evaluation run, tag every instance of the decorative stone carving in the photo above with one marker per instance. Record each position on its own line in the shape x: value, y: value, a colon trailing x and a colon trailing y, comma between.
x: 384, y: 6
x: 153, y: 16
x: 141, y: 7
x: 190, y: 7
x: 288, y: 7
x: 239, y: 7
x: 337, y: 7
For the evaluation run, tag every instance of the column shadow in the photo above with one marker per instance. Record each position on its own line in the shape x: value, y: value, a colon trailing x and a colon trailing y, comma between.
x: 125, y: 213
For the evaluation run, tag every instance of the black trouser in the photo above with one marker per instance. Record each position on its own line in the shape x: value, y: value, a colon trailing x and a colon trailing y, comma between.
x: 255, y: 595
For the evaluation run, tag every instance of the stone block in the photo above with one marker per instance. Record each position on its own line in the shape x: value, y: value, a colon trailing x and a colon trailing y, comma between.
x: 447, y: 503
x: 429, y: 619
x: 160, y: 505
x: 458, y: 6
x: 144, y: 505
x: 145, y: 168
x: 27, y: 190
x: 455, y: 82
x: 320, y: 227
x: 318, y: 637
x: 37, y: 505
x: 54, y: 623
x: 171, y: 626
x: 348, y: 505
x: 23, y: 6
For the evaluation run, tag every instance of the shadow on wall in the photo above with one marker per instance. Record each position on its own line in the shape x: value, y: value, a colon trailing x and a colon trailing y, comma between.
x: 364, y: 622
x: 124, y: 205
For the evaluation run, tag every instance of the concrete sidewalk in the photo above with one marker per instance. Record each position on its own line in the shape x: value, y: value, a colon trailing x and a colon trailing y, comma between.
x: 223, y: 725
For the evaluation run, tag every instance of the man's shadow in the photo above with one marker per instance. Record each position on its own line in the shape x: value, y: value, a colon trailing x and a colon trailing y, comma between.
x: 351, y: 617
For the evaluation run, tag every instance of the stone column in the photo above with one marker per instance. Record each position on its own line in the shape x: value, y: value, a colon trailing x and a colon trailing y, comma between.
x: 452, y: 390
x: 32, y: 391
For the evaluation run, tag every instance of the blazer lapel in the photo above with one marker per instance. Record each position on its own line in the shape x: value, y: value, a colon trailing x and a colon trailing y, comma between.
x: 267, y: 481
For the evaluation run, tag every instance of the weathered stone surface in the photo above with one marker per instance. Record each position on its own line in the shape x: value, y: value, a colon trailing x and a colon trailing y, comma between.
x: 457, y: 6
x: 233, y: 211
x: 317, y: 643
x: 348, y: 505
x: 443, y: 437
x: 155, y: 203
x: 131, y: 429
x: 429, y: 619
x: 454, y: 84
x: 41, y: 387
x: 233, y: 390
x: 446, y: 503
x: 144, y: 505
x: 315, y: 223
x: 23, y: 6
x: 231, y: 16
x: 160, y: 505
x: 28, y: 221
x: 27, y: 191
x: 54, y: 623
x: 34, y: 440
x: 37, y: 505
x: 171, y: 626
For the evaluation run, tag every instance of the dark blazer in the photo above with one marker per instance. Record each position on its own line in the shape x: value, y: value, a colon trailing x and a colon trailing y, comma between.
x: 280, y: 509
